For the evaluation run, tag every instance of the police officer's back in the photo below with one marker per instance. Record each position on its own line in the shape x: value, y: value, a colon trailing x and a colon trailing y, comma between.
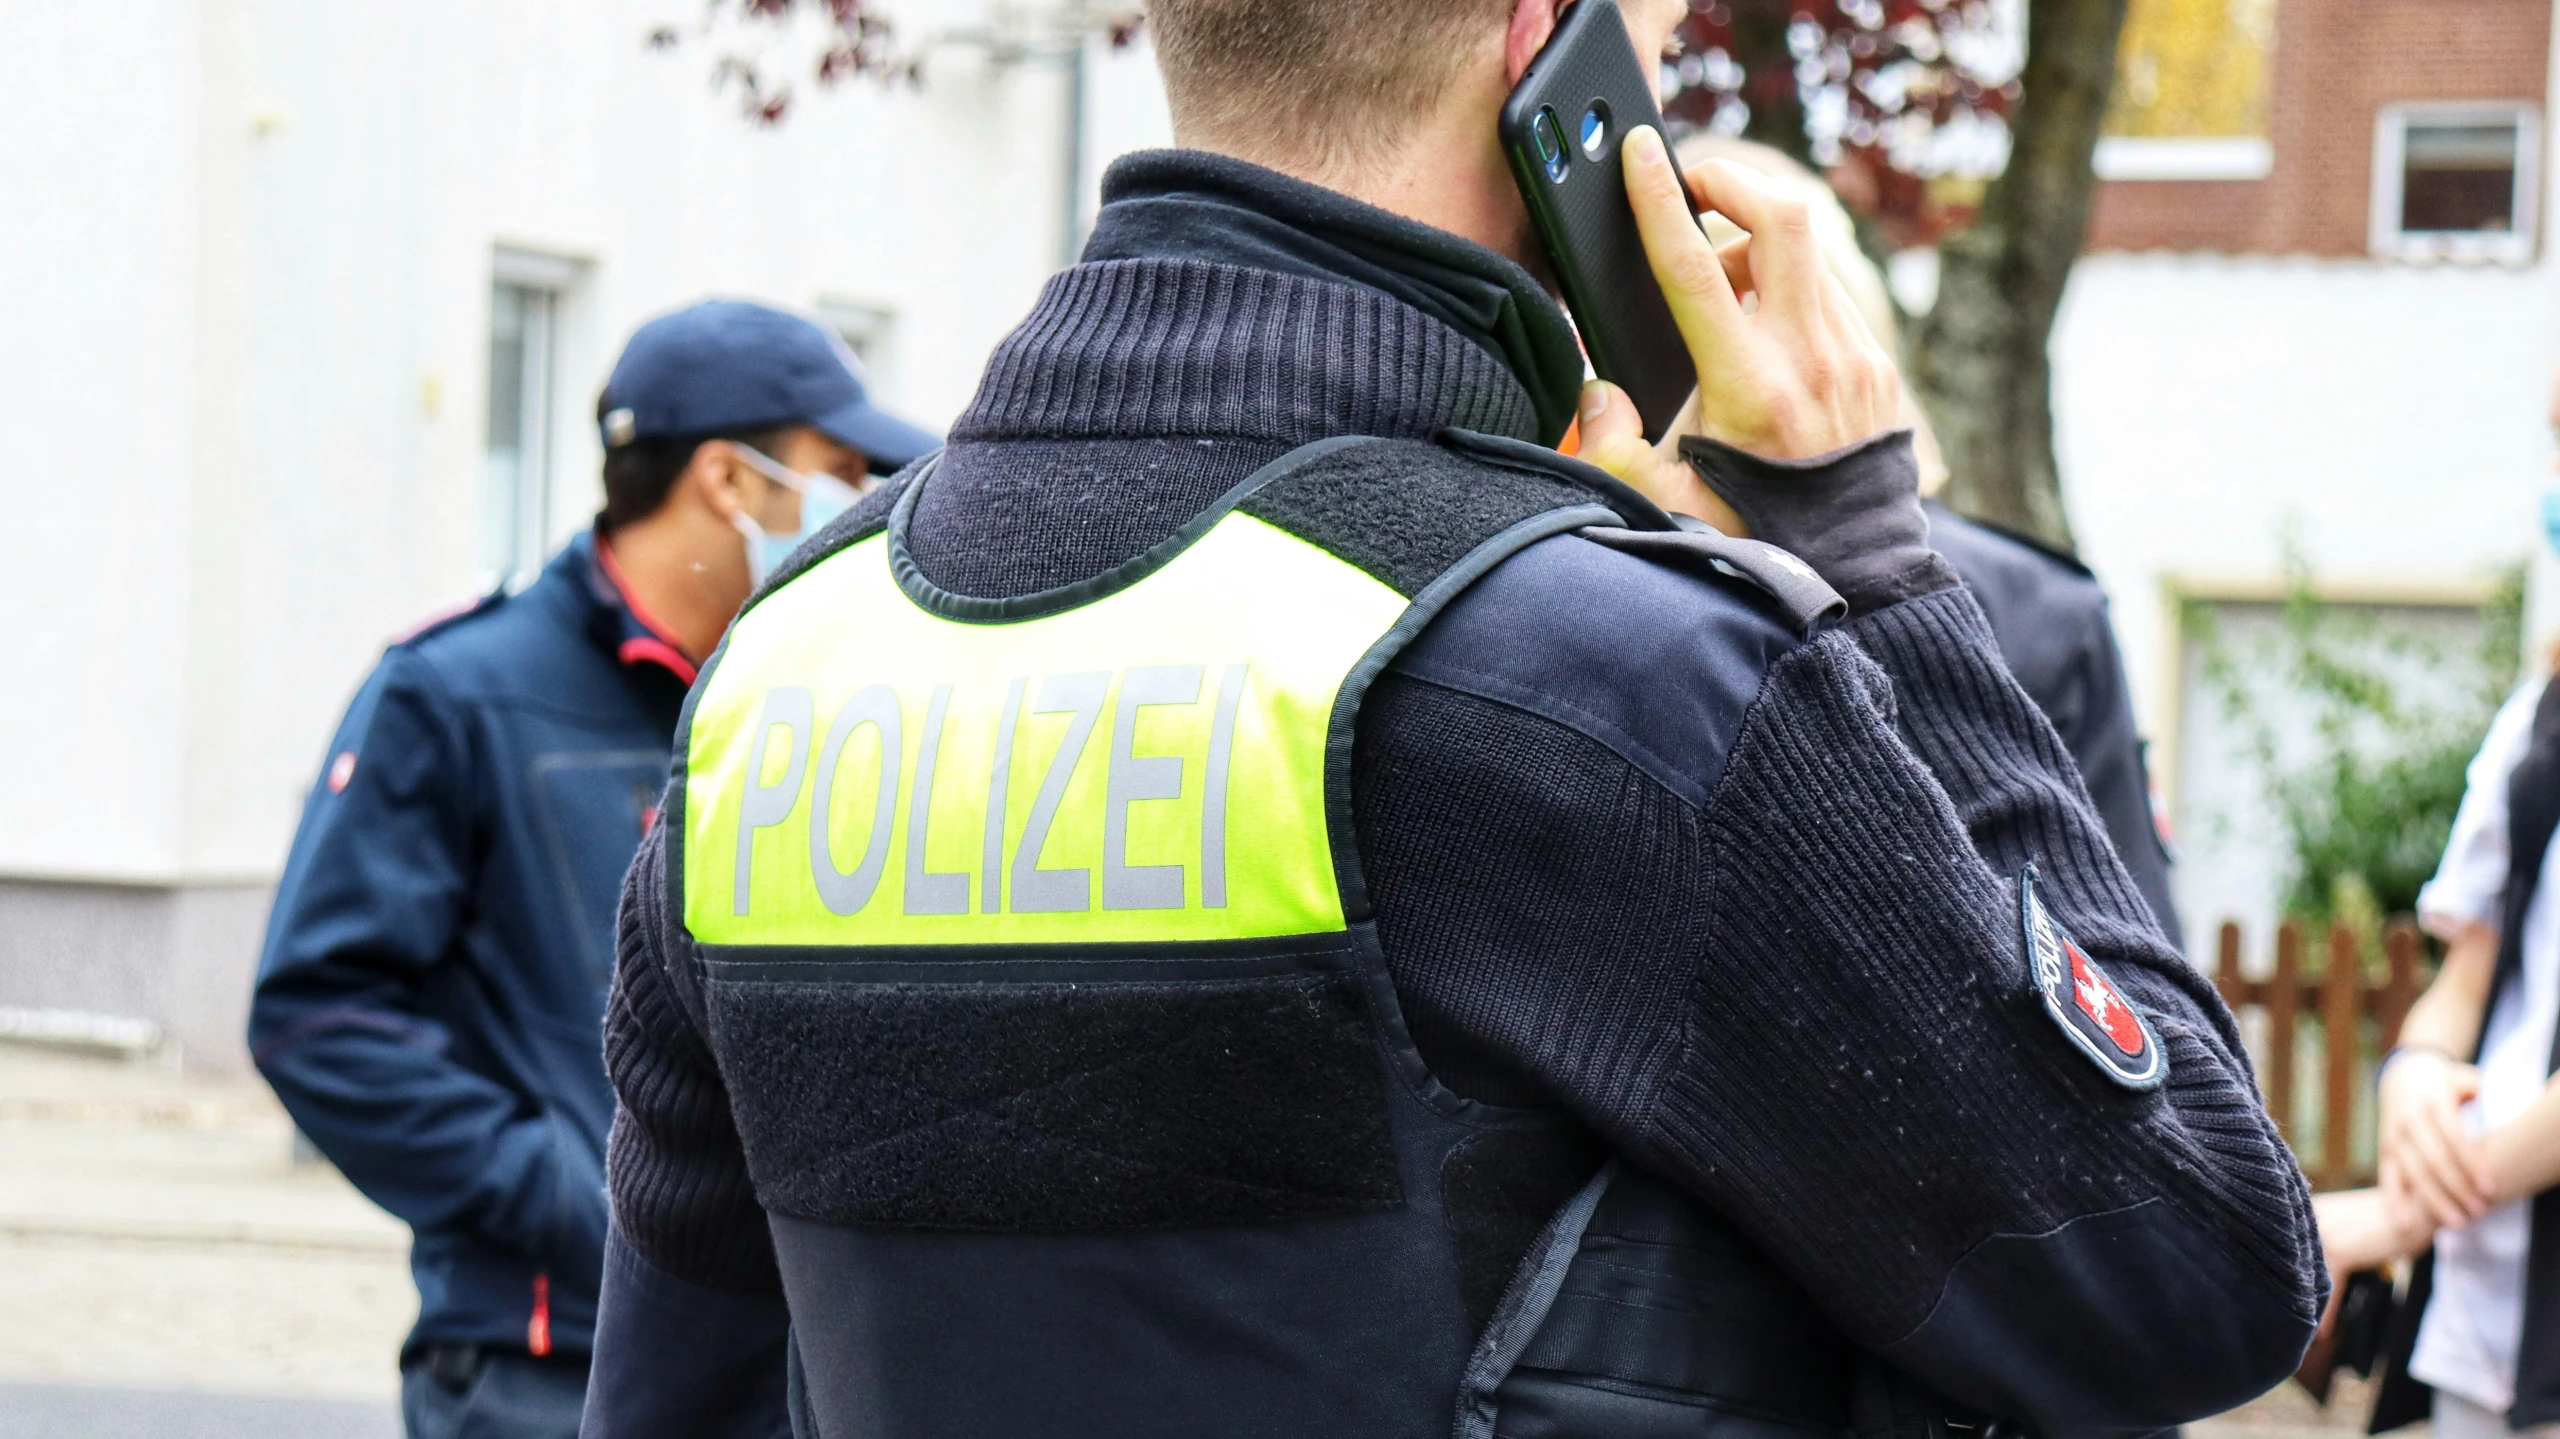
x: 1246, y: 897
x: 429, y: 1005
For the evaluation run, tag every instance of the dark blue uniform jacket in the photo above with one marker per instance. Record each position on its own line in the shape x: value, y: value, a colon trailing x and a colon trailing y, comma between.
x: 430, y: 999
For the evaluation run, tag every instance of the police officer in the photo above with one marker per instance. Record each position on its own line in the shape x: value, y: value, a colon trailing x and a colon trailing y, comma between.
x: 1250, y: 897
x: 429, y: 1004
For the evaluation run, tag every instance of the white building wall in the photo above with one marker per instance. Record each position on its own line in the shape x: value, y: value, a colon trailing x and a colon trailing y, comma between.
x: 98, y: 196
x: 247, y: 251
x: 2396, y: 417
x: 2389, y: 419
x: 249, y: 331
x: 2393, y: 415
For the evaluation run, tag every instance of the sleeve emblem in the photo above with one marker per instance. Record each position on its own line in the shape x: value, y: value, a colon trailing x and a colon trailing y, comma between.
x: 2091, y: 1012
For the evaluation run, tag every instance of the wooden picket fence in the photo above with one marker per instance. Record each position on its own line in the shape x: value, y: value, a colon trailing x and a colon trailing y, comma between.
x: 2354, y: 1012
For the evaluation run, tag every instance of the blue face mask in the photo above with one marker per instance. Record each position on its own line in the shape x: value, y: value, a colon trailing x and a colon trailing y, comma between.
x: 822, y: 498
x: 2551, y: 519
x: 825, y: 498
x: 765, y: 549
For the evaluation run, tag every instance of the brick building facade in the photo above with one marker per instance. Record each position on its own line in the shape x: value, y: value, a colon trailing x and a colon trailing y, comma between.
x: 2334, y: 68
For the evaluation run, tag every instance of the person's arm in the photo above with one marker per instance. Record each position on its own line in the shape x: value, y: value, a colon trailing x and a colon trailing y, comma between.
x: 2431, y: 1163
x: 691, y: 1333
x: 2521, y: 1158
x: 2361, y: 1229
x: 1867, y: 1077
x: 1873, y: 1087
x: 372, y: 902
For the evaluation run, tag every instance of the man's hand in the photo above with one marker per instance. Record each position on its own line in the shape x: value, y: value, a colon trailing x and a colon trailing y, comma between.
x: 2431, y: 1164
x: 1786, y: 367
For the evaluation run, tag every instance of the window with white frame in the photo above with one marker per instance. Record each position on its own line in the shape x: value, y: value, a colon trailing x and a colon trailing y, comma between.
x: 2456, y: 181
x: 866, y: 329
x: 2191, y: 94
x: 526, y: 293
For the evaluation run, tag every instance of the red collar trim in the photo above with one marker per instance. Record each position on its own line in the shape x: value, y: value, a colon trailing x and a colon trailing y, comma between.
x: 659, y: 646
x: 639, y: 650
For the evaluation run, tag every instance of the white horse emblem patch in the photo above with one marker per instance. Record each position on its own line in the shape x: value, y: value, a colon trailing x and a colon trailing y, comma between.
x: 2091, y: 1012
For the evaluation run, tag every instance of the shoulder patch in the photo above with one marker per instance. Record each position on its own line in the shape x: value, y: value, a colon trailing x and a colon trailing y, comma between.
x: 2088, y: 1008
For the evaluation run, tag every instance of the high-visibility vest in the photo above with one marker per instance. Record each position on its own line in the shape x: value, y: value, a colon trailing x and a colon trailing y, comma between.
x: 1039, y: 966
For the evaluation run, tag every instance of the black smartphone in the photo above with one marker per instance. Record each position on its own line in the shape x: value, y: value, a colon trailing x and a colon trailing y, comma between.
x: 1584, y: 94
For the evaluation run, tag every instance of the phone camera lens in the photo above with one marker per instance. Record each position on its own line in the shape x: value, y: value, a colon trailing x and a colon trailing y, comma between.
x: 1595, y: 130
x: 1549, y: 136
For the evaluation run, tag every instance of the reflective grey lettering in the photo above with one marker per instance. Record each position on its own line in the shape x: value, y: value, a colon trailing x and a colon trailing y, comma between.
x: 844, y: 893
x: 1134, y: 777
x: 991, y: 881
x: 766, y: 805
x: 1058, y: 891
x: 930, y: 891
x: 1213, y: 802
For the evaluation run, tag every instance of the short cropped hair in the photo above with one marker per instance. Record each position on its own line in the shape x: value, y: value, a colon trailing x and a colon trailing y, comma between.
x: 639, y: 474
x: 1330, y: 79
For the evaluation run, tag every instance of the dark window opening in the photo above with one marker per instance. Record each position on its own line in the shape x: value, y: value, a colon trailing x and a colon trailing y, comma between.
x: 2459, y: 178
x: 516, y: 470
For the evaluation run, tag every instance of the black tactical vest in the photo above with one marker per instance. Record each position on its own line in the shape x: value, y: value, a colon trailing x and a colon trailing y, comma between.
x: 1073, y: 1079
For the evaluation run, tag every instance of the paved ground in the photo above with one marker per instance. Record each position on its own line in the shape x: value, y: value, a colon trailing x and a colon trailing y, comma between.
x: 170, y: 1271
x: 56, y: 1411
x: 167, y: 1270
x: 2289, y: 1413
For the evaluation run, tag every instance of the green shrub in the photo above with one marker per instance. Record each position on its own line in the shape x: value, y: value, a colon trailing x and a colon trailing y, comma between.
x: 2366, y: 808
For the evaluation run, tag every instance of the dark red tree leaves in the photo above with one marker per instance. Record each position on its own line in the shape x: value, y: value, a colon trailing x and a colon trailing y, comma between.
x: 1904, y: 103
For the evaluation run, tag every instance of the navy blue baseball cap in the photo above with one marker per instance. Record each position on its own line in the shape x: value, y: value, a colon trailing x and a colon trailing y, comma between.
x: 727, y: 365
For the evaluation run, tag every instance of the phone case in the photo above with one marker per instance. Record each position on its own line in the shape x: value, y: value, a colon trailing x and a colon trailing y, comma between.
x: 1580, y: 208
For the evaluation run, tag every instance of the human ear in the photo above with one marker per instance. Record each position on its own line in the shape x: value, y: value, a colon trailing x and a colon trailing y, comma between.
x: 715, y: 478
x: 1532, y: 21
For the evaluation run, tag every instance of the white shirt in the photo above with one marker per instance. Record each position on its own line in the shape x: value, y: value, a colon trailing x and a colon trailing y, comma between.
x: 2474, y: 1324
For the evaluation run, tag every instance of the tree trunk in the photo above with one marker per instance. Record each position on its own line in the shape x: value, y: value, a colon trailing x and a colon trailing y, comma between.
x: 1978, y: 360
x: 1769, y: 86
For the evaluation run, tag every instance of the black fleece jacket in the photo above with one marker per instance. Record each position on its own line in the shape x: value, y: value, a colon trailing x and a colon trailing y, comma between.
x: 1798, y: 988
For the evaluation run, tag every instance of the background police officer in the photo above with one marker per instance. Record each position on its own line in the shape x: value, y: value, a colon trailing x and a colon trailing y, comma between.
x: 429, y: 1001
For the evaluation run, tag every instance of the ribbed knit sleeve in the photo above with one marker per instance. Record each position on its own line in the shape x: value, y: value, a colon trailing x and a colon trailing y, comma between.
x: 2015, y: 788
x: 677, y: 1174
x: 691, y: 1331
x: 1864, y: 1008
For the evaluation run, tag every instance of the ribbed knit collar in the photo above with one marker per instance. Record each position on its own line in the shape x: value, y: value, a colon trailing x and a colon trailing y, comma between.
x: 1220, y: 299
x: 1191, y: 204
